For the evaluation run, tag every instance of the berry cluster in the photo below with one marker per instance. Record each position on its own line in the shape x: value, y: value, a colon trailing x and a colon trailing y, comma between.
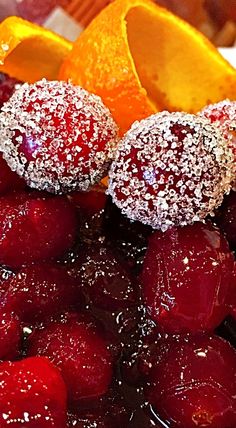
x: 105, y: 322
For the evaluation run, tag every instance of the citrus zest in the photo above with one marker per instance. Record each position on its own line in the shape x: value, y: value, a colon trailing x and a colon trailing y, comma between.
x: 29, y: 52
x: 140, y: 58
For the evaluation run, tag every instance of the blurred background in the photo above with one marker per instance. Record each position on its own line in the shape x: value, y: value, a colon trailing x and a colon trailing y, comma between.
x: 215, y: 18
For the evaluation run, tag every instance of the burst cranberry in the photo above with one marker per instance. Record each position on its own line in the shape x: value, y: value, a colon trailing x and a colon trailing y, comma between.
x: 193, y: 383
x: 105, y: 278
x: 7, y: 87
x: 78, y: 349
x: 32, y: 394
x: 39, y: 292
x: 10, y: 336
x: 34, y: 227
x: 170, y: 169
x: 57, y: 136
x: 186, y: 277
x: 226, y: 218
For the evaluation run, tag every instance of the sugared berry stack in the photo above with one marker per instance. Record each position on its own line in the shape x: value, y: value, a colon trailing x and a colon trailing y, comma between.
x: 110, y: 302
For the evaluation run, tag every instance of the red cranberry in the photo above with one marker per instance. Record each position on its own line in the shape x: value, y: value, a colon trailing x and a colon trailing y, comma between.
x: 226, y: 218
x: 40, y: 291
x: 9, y: 180
x: 7, y: 87
x: 10, y: 336
x: 89, y: 203
x: 32, y: 394
x: 223, y: 115
x: 78, y: 349
x: 105, y: 278
x: 59, y: 137
x: 170, y: 169
x: 186, y: 277
x: 35, y: 227
x: 193, y: 383
x: 5, y: 275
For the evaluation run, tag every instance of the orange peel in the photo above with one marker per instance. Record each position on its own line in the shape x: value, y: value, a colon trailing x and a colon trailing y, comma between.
x: 29, y: 52
x: 140, y: 58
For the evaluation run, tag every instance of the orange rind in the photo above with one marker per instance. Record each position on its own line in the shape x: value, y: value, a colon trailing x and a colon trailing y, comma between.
x: 29, y: 52
x: 140, y: 58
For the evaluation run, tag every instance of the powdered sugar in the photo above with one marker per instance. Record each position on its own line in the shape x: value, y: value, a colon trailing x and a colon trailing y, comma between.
x: 170, y: 169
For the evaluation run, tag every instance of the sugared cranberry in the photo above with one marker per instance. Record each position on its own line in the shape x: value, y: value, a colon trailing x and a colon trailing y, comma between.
x: 40, y: 291
x: 35, y: 227
x: 226, y: 218
x: 57, y: 136
x: 32, y: 394
x: 10, y: 336
x: 7, y: 87
x: 105, y: 278
x: 223, y: 115
x: 193, y: 384
x: 79, y: 350
x: 170, y: 169
x: 186, y: 277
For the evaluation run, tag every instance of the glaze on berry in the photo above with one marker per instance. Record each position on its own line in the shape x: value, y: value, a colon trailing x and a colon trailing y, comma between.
x: 193, y: 383
x: 32, y: 395
x: 186, y: 277
x: 35, y: 227
x: 57, y: 136
x: 77, y: 348
x: 170, y: 169
x: 10, y: 335
x: 39, y: 292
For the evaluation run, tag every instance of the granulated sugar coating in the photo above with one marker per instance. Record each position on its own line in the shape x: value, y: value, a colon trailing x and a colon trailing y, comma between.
x: 170, y: 169
x: 223, y: 115
x: 57, y: 136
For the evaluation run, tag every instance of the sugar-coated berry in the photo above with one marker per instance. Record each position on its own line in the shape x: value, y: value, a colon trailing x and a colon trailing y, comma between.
x: 59, y: 137
x: 193, y: 382
x: 170, y: 169
x: 78, y: 349
x: 32, y: 395
x: 223, y: 115
x: 35, y: 227
x: 39, y: 292
x: 186, y: 278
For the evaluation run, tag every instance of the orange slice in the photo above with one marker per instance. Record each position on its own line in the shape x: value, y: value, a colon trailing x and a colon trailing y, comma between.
x: 29, y: 52
x: 140, y: 58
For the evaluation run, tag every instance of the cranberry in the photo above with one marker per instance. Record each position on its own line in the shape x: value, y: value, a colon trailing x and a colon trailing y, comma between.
x: 10, y: 336
x: 57, y: 136
x: 79, y: 350
x: 105, y: 278
x: 7, y: 87
x: 193, y: 382
x: 34, y: 227
x: 170, y: 169
x: 89, y: 203
x: 9, y: 180
x: 87, y: 420
x: 40, y: 291
x: 226, y: 218
x: 5, y: 275
x: 186, y: 277
x: 32, y: 394
x: 223, y: 115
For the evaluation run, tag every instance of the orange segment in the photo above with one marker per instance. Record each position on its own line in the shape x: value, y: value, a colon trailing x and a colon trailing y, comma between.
x: 29, y: 52
x: 140, y: 58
